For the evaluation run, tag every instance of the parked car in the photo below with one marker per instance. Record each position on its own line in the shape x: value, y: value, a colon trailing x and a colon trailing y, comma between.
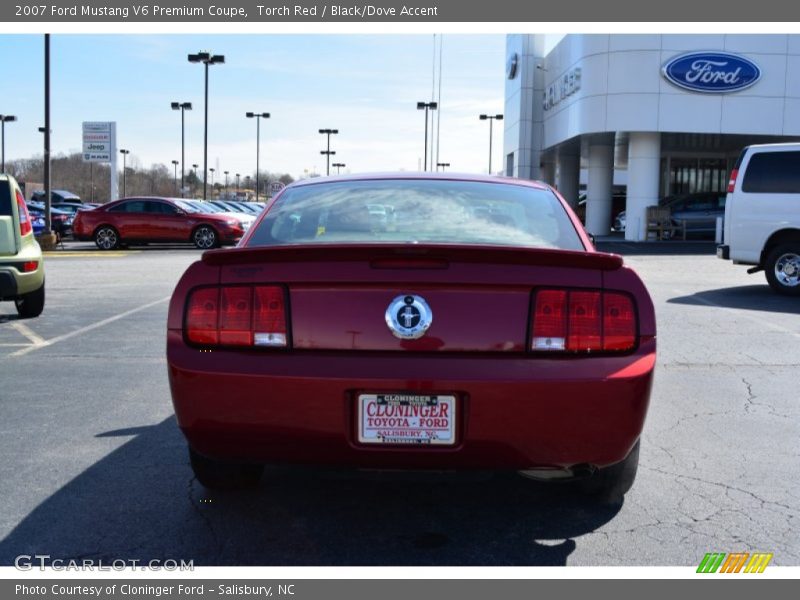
x: 449, y: 339
x: 211, y: 208
x: 698, y: 212
x: 21, y: 263
x: 762, y: 215
x: 57, y: 197
x: 61, y: 220
x: 139, y: 220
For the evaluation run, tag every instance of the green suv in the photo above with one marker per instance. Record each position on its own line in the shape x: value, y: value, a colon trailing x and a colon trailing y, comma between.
x: 21, y: 264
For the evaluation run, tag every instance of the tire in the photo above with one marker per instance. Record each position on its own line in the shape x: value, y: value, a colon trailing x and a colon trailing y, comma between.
x: 205, y: 237
x: 30, y: 305
x: 216, y: 475
x: 610, y: 484
x: 782, y: 269
x: 106, y: 238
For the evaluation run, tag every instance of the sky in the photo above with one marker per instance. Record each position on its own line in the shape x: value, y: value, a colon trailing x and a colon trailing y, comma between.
x: 367, y: 86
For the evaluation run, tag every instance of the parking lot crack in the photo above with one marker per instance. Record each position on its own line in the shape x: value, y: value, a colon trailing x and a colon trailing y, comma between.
x: 218, y: 543
x: 751, y: 404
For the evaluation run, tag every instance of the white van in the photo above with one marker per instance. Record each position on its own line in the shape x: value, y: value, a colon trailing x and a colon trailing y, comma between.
x: 762, y: 214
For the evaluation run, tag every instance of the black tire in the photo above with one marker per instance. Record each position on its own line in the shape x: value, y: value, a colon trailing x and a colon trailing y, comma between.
x: 106, y: 238
x: 205, y: 237
x: 216, y: 475
x: 30, y: 305
x: 782, y: 269
x: 610, y: 484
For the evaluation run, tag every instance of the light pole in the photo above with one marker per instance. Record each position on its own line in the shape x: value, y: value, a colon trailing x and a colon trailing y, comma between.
x: 3, y: 120
x: 257, y: 117
x: 338, y: 167
x: 175, y: 164
x: 226, y: 184
x: 212, y: 169
x: 443, y: 165
x: 182, y: 106
x: 124, y: 170
x: 328, y: 152
x: 491, y: 119
x: 426, y: 106
x: 207, y: 59
x: 237, y: 185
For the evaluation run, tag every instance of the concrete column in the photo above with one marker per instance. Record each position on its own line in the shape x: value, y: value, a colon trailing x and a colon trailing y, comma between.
x: 568, y: 177
x: 599, y: 187
x: 644, y: 170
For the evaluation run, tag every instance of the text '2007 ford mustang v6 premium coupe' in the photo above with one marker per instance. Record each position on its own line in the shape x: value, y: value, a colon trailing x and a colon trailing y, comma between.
x: 467, y: 324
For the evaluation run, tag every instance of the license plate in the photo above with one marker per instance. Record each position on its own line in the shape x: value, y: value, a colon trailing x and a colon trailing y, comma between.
x: 406, y: 419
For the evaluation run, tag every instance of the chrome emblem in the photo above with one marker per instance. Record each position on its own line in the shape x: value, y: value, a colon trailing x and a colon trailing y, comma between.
x: 408, y: 317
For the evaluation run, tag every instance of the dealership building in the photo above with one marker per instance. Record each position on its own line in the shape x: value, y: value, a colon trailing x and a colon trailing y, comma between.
x: 655, y: 115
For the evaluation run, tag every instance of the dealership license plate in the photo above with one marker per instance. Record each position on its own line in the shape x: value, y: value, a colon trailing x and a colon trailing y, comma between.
x: 406, y: 419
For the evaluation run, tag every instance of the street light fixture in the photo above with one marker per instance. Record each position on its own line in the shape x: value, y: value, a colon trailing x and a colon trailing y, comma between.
x: 426, y: 106
x: 237, y: 185
x: 175, y: 164
x: 207, y: 59
x: 212, y: 169
x: 182, y: 106
x: 442, y: 165
x: 124, y: 153
x: 491, y: 119
x: 338, y: 167
x: 257, y: 117
x: 226, y: 184
x: 328, y: 152
x: 3, y: 120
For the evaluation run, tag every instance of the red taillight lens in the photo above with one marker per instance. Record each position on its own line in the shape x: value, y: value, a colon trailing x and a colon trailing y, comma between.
x: 25, y: 226
x: 583, y: 321
x: 237, y: 316
x: 202, y: 316
x: 30, y: 266
x: 732, y: 180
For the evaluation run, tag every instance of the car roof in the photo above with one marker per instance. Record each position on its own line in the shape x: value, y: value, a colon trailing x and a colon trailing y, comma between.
x: 418, y: 176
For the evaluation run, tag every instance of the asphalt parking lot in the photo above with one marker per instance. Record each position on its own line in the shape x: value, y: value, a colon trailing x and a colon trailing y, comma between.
x: 95, y: 467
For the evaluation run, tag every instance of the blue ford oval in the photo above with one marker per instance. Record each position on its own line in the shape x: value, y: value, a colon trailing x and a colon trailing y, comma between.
x: 711, y: 72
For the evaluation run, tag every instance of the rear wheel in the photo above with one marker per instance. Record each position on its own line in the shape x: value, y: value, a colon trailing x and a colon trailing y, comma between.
x: 610, y: 484
x: 205, y: 237
x: 31, y: 304
x: 782, y: 269
x: 216, y: 475
x: 106, y: 238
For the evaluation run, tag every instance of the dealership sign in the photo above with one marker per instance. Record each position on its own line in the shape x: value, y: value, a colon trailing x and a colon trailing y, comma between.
x: 711, y: 72
x: 99, y: 141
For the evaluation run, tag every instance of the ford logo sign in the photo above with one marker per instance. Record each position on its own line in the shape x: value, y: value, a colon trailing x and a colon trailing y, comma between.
x: 711, y: 72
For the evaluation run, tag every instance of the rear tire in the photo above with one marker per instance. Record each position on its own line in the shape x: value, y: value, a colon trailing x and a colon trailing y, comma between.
x: 106, y: 238
x: 782, y: 269
x: 610, y: 484
x: 216, y: 475
x: 30, y: 305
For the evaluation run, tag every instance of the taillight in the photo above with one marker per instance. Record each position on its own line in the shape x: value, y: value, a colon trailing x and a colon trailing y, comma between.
x: 30, y: 266
x: 583, y: 321
x: 25, y: 226
x: 732, y: 180
x: 248, y: 316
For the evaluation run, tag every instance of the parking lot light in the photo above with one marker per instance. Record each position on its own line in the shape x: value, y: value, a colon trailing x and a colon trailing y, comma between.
x: 328, y: 152
x: 3, y: 120
x: 491, y: 119
x: 226, y: 184
x: 257, y: 117
x: 339, y: 167
x: 182, y: 106
x: 443, y: 165
x: 426, y: 106
x: 207, y: 59
x: 124, y: 153
x: 175, y: 164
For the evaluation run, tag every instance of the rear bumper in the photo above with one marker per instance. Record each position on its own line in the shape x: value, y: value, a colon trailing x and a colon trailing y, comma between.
x: 514, y: 412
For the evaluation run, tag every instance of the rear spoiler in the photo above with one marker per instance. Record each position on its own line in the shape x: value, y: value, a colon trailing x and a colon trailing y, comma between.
x: 420, y: 255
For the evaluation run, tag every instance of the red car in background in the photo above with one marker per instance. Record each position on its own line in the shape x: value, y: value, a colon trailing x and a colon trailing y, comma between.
x: 132, y: 220
x: 469, y: 324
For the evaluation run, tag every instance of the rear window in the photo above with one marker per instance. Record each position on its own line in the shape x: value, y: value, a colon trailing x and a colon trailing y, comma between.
x: 773, y: 173
x: 5, y: 199
x: 408, y: 211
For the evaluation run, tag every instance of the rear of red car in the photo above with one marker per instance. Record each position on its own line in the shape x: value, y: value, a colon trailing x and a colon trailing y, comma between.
x: 412, y: 355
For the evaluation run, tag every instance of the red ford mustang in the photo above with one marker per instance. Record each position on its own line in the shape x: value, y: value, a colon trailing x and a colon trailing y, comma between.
x: 413, y: 321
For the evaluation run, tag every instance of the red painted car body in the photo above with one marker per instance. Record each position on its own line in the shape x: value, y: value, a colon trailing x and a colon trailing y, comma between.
x: 153, y: 219
x: 515, y: 407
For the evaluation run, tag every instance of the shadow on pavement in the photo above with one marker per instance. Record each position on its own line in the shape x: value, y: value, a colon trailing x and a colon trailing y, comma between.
x: 748, y: 297
x: 676, y: 247
x: 142, y: 502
